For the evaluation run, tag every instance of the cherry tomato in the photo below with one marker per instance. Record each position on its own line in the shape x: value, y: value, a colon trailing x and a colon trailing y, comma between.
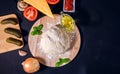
x: 30, y: 13
x: 53, y: 2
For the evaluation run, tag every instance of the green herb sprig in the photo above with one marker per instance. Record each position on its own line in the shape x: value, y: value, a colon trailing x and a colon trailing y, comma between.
x: 37, y: 30
x: 62, y: 61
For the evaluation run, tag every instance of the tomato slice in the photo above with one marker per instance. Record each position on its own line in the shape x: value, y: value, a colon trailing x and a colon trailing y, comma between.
x: 30, y: 13
x: 53, y: 2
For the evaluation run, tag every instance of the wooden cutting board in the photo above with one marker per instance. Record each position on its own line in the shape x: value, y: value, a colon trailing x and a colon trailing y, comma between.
x: 5, y: 46
x: 35, y: 40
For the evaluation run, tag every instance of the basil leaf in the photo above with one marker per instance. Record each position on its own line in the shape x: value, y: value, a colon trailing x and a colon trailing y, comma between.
x: 66, y: 60
x: 35, y: 28
x: 62, y: 61
x: 33, y: 33
x: 57, y: 64
x: 40, y: 27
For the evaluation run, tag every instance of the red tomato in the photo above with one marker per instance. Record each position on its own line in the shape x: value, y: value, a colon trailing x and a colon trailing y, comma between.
x: 53, y: 1
x: 30, y: 13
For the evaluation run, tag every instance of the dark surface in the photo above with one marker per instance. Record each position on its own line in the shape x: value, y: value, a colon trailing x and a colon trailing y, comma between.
x: 99, y: 25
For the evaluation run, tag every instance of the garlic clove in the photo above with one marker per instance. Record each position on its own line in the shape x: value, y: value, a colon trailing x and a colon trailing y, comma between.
x: 22, y: 53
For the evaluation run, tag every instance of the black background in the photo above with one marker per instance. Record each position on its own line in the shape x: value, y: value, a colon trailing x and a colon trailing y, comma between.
x: 99, y: 25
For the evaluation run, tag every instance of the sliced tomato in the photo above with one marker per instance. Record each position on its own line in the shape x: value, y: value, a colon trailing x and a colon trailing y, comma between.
x: 53, y: 1
x: 30, y: 13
